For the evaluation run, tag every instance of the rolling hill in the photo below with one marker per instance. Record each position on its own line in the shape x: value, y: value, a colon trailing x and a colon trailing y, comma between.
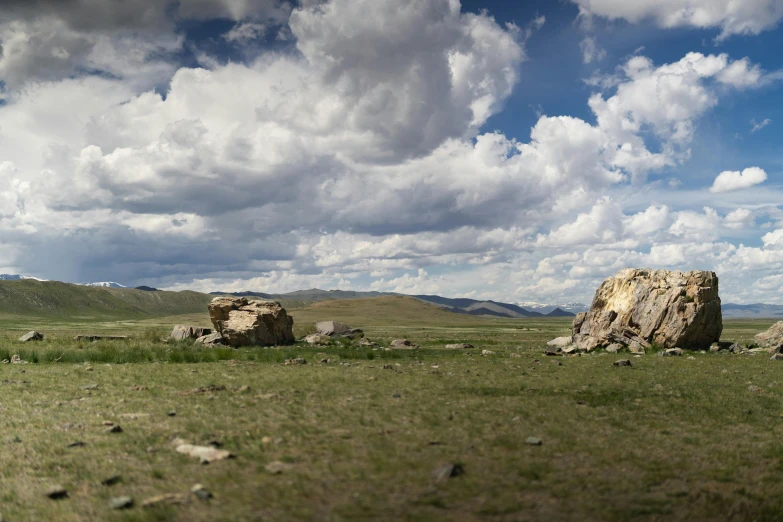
x: 54, y: 299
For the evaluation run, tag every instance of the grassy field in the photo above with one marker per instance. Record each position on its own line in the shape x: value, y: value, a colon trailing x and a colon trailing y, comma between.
x: 690, y: 438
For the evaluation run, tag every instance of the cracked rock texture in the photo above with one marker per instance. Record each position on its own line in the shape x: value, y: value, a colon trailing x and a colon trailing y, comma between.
x: 652, y: 307
x: 251, y: 323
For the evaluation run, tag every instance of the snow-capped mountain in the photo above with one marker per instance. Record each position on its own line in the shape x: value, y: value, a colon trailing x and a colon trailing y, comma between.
x: 18, y: 277
x: 543, y: 308
x: 106, y: 284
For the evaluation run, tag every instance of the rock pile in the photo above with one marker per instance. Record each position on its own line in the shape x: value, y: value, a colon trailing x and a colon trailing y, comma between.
x: 241, y: 322
x: 646, y: 307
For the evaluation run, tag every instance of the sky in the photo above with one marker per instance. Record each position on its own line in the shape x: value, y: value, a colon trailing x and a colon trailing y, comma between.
x: 515, y: 151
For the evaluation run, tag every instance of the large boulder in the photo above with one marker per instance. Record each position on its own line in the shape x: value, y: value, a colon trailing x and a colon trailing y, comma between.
x: 182, y: 332
x: 251, y: 323
x: 31, y: 336
x: 772, y: 338
x: 652, y: 307
x: 337, y: 329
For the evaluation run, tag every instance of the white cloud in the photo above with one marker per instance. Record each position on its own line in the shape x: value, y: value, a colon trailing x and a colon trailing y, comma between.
x: 758, y: 126
x: 735, y: 180
x: 732, y: 17
x: 591, y: 51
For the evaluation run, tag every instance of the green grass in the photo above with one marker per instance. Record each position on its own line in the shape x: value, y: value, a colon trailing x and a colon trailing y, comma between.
x: 668, y: 439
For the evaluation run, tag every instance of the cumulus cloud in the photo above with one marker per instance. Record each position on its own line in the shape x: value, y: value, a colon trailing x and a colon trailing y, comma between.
x: 730, y: 16
x: 359, y: 161
x: 729, y: 181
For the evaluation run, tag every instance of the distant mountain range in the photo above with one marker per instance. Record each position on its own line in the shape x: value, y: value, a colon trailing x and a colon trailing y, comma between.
x: 456, y: 305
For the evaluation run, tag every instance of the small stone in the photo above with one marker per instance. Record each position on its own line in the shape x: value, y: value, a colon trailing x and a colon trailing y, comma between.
x: 487, y: 352
x: 110, y: 481
x: 388, y: 367
x: 114, y: 429
x: 77, y: 444
x: 396, y: 395
x: 533, y: 441
x: 691, y: 358
x: 777, y: 357
x: 277, y: 467
x: 168, y: 498
x: 90, y: 387
x: 201, y: 492
x: 549, y: 353
x: 623, y: 362
x: 614, y: 348
x: 447, y: 471
x: 266, y: 440
x: 672, y: 352
x: 172, y: 413
x: 124, y: 502
x: 459, y: 346
x: 515, y: 356
x: 56, y: 492
x: 88, y: 369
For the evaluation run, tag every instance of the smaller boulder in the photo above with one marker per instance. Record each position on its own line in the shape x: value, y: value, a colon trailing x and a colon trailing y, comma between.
x: 636, y: 348
x: 623, y: 362
x: 772, y: 338
x: 560, y: 342
x: 614, y: 348
x: 31, y: 336
x: 366, y: 342
x: 337, y: 329
x: 213, y: 339
x: 459, y: 346
x: 403, y: 344
x: 672, y: 352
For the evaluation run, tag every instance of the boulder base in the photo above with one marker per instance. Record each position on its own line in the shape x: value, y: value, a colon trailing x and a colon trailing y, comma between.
x: 652, y: 307
x: 251, y: 323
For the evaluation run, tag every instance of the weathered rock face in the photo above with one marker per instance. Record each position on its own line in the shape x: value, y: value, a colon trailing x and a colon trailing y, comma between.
x: 772, y: 338
x: 251, y: 323
x: 182, y: 332
x: 669, y: 309
x: 213, y: 339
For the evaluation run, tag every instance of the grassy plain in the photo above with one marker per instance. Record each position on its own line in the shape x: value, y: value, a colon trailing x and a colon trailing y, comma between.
x: 668, y: 439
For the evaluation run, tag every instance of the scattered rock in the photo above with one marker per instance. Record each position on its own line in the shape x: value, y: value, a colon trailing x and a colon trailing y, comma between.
x: 636, y: 348
x: 366, y: 342
x: 15, y: 359
x: 124, y: 502
x: 183, y: 333
x: 277, y: 467
x: 114, y: 429
x: 213, y: 339
x: 623, y: 362
x: 515, y: 356
x: 560, y: 342
x: 56, y: 492
x: 31, y: 336
x: 172, y: 414
x: 77, y: 444
x: 487, y: 352
x: 403, y: 344
x: 447, y: 471
x: 90, y: 387
x: 533, y: 441
x: 552, y: 353
x: 777, y: 357
x: 295, y: 362
x: 672, y: 352
x: 201, y: 492
x: 388, y: 367
x: 652, y: 307
x: 459, y: 346
x: 614, y: 348
x: 318, y: 339
x: 337, y: 329
x: 206, y: 454
x: 251, y: 323
x: 110, y: 481
x: 165, y: 499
